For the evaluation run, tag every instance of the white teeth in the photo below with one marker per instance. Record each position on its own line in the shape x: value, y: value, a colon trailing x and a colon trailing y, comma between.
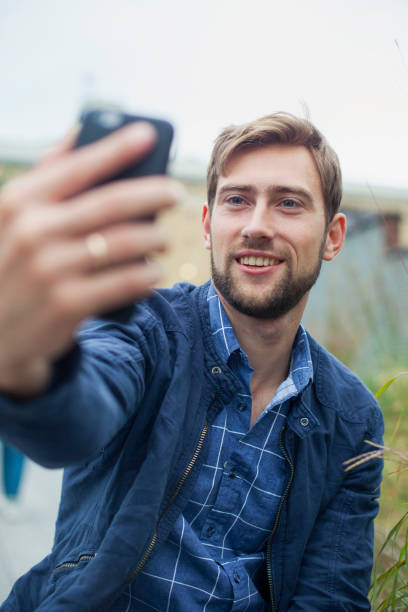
x: 258, y: 261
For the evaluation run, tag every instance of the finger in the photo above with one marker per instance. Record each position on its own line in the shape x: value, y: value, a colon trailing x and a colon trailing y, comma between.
x: 108, y: 289
x: 119, y: 201
x: 119, y: 245
x: 112, y: 204
x: 62, y: 147
x: 79, y: 169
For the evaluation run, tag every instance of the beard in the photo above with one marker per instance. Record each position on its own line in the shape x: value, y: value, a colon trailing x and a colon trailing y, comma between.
x: 278, y: 301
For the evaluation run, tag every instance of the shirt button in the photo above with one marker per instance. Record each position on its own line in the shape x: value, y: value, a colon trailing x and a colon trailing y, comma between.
x: 225, y: 463
x: 237, y: 577
x: 231, y: 474
x: 210, y: 531
x: 304, y: 421
x: 241, y: 407
x: 216, y: 370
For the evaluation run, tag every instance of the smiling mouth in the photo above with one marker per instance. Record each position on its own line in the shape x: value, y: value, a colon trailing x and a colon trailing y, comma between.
x: 258, y: 262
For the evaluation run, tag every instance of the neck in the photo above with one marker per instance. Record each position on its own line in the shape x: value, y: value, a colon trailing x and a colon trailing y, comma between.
x: 267, y: 342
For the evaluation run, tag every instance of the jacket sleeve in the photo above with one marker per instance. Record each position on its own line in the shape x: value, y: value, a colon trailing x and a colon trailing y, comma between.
x: 94, y: 392
x: 337, y: 563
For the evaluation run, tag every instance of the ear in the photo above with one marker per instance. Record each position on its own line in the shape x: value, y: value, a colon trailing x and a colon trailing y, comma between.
x: 335, y: 237
x: 205, y: 222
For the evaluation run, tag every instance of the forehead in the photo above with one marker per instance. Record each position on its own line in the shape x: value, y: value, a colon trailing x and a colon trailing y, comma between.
x: 273, y: 165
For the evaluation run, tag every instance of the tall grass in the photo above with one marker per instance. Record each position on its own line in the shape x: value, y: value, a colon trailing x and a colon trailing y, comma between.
x: 389, y: 589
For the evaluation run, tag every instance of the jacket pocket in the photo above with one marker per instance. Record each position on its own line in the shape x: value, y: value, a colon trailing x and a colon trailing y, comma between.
x: 72, y: 565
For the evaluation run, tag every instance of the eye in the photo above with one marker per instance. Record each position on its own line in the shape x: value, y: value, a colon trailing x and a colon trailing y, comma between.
x: 289, y: 204
x: 235, y: 200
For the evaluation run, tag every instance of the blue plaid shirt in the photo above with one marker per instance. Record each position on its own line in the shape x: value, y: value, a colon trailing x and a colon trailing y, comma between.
x: 214, y: 557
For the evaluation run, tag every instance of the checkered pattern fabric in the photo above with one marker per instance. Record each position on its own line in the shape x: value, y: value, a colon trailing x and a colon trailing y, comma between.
x: 214, y: 557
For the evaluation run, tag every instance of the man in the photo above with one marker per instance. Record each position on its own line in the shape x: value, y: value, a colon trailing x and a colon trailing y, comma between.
x: 204, y: 439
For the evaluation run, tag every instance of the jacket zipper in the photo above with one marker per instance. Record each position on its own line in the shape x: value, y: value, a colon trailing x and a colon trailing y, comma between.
x: 278, y: 515
x: 74, y: 563
x: 148, y: 552
x: 176, y: 491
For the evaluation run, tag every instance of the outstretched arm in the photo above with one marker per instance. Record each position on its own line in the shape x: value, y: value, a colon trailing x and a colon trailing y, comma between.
x: 53, y: 273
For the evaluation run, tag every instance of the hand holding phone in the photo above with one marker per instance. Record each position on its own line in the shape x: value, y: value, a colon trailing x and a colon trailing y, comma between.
x: 51, y: 218
x: 98, y: 123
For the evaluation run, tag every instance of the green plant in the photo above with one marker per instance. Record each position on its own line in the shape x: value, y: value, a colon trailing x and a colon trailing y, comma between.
x: 389, y: 589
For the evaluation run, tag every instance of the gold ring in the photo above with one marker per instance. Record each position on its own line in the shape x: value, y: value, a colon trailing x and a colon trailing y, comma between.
x: 97, y: 246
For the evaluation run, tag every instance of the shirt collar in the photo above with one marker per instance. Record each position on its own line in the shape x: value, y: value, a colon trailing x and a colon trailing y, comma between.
x: 222, y: 331
x: 226, y: 343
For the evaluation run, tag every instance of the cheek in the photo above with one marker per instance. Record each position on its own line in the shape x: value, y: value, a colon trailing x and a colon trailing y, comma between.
x: 220, y: 236
x: 306, y: 236
x: 306, y: 249
x: 214, y: 243
x: 221, y: 251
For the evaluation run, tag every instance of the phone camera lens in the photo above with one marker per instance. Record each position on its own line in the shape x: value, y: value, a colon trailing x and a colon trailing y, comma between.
x: 110, y: 119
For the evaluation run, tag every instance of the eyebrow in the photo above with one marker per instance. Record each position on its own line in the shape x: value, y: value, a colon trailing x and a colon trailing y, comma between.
x: 271, y: 190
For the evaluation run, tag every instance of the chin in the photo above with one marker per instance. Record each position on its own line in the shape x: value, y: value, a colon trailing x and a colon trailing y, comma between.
x: 283, y: 298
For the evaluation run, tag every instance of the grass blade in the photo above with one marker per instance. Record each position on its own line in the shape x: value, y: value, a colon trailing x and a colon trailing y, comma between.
x: 389, y: 383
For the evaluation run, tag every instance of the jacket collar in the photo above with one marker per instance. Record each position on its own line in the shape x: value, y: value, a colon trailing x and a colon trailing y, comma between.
x: 301, y: 418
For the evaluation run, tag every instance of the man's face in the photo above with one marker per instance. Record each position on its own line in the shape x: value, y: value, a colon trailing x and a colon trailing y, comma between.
x: 267, y: 230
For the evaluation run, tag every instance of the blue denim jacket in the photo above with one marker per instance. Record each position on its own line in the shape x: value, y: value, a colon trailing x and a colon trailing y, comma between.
x: 128, y: 413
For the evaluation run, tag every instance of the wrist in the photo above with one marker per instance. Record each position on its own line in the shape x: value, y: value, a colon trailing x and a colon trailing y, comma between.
x: 27, y: 380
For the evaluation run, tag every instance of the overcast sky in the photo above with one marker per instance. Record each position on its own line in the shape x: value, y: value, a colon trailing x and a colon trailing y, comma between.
x: 205, y: 64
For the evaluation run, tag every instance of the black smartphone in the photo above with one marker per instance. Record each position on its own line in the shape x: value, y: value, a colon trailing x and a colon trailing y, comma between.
x: 96, y: 123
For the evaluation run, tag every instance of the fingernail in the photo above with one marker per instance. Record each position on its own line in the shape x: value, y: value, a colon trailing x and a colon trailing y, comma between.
x: 74, y: 130
x: 140, y: 131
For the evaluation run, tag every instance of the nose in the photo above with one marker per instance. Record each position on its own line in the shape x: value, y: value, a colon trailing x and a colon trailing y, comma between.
x: 259, y: 223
